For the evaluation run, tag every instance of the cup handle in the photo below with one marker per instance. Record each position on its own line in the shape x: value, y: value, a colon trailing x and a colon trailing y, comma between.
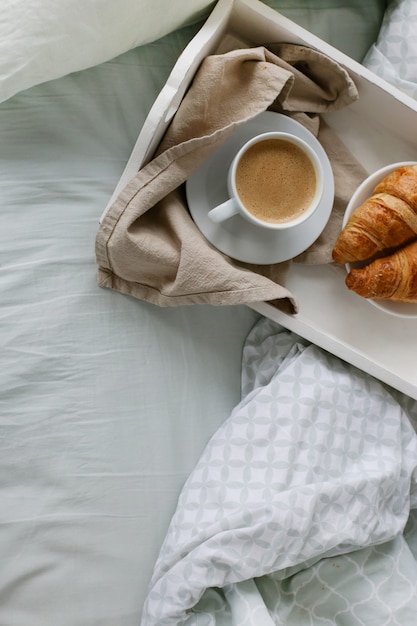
x: 223, y: 211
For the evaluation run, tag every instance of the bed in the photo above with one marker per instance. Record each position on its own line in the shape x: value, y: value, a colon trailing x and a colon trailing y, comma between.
x: 124, y: 425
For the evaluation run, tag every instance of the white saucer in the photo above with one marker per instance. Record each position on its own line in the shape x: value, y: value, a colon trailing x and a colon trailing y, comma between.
x: 236, y: 237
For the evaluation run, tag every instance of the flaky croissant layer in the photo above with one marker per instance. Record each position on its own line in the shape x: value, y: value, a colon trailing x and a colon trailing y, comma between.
x: 387, y: 219
x: 392, y: 277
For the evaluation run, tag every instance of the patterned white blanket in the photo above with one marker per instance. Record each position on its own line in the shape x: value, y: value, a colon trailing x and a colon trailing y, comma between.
x: 300, y: 510
x: 394, y: 54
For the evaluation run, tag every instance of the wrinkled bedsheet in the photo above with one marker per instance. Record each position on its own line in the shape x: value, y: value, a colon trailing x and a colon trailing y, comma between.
x: 301, y: 510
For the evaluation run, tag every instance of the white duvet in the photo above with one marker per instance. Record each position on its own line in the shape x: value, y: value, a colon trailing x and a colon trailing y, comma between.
x: 309, y: 483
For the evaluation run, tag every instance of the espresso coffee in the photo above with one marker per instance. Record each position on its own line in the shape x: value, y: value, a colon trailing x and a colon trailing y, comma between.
x: 276, y: 181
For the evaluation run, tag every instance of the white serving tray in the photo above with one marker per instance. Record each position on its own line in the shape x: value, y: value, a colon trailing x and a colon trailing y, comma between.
x: 378, y: 129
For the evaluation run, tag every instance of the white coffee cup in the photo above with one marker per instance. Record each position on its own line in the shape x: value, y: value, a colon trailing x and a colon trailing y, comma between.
x: 275, y: 181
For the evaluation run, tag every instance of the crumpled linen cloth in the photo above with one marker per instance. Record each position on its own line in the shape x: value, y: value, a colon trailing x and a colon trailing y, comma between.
x: 318, y: 461
x: 147, y: 244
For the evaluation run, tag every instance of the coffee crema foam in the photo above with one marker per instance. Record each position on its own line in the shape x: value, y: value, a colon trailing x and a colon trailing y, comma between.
x: 275, y: 180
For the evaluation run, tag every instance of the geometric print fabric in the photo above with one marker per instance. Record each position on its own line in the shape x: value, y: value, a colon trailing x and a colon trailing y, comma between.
x: 394, y: 55
x: 307, y: 485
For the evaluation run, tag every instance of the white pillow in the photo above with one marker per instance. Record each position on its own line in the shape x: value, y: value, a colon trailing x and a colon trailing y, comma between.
x: 45, y: 39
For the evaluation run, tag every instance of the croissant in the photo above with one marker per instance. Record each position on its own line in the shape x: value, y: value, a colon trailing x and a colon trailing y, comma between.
x: 392, y: 277
x: 387, y: 219
x: 401, y: 183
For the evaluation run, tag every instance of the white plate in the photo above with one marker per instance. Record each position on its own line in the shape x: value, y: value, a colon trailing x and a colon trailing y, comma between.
x: 364, y: 191
x: 236, y: 237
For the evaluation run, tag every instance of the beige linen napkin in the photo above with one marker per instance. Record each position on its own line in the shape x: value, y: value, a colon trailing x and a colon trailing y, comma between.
x: 147, y: 244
